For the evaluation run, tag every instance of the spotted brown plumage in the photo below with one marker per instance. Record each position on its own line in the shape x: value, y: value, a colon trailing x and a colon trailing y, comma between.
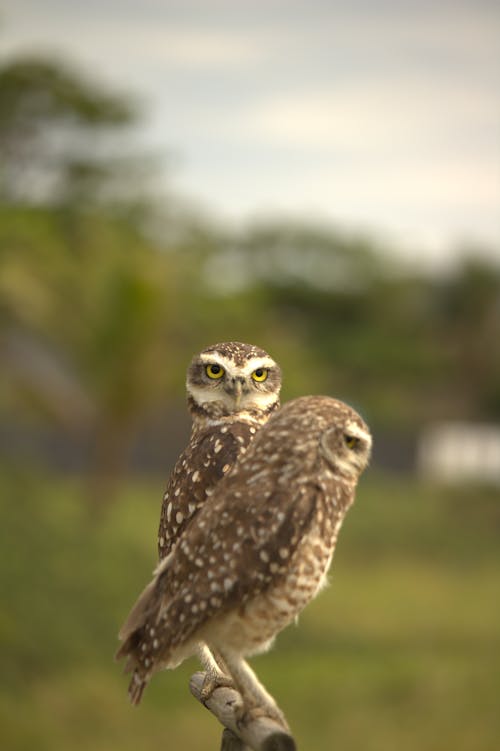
x: 227, y: 410
x: 254, y: 556
x: 211, y: 453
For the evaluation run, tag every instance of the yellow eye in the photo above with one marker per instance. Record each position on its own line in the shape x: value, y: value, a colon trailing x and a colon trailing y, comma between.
x: 351, y: 441
x: 214, y: 371
x: 260, y: 374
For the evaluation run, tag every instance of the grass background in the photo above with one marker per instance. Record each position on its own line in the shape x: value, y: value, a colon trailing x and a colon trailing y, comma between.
x: 401, y: 651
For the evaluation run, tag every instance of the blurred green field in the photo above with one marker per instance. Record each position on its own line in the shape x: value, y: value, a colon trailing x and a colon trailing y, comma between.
x: 402, y: 651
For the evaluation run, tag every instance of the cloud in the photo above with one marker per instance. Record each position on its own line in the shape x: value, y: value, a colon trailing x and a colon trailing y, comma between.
x: 189, y: 49
x: 360, y: 115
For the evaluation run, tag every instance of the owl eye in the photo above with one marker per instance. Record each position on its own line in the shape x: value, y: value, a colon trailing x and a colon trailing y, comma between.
x: 351, y: 441
x: 260, y: 374
x: 214, y: 371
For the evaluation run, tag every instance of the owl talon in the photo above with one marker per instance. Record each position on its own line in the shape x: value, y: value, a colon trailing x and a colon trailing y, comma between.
x: 213, y: 682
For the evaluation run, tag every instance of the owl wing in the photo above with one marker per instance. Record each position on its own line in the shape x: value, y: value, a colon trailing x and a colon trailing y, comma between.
x: 233, y: 550
x: 234, y: 553
x: 209, y: 456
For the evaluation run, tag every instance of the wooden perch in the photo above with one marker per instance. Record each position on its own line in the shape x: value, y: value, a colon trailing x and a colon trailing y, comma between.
x: 261, y: 734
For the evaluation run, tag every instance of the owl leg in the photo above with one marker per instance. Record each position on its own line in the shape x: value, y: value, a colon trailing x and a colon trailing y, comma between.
x: 218, y: 659
x: 257, y: 701
x: 208, y: 659
x: 216, y: 673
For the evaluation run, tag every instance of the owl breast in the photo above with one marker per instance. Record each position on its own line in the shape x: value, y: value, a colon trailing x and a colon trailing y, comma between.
x: 251, y: 628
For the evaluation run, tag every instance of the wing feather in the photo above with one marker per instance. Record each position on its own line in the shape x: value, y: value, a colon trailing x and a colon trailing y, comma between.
x: 209, y: 457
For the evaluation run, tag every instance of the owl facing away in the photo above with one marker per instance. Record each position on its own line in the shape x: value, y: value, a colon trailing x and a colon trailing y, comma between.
x: 232, y: 389
x: 255, y: 555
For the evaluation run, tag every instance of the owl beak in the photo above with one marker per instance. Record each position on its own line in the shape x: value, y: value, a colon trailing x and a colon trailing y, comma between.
x: 237, y: 392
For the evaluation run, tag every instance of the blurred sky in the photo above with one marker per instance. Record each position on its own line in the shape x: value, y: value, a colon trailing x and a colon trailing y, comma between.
x: 380, y: 114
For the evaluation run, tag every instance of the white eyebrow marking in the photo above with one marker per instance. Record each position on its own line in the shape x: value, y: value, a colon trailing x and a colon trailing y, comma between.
x: 248, y: 367
x: 357, y: 431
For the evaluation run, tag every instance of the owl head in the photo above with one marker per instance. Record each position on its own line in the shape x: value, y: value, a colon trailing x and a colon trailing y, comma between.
x: 233, y: 379
x: 346, y: 444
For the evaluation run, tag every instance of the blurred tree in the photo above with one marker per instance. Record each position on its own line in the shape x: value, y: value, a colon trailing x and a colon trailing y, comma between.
x: 85, y: 336
x: 408, y: 347
x: 103, y: 299
x: 86, y: 299
x: 54, y: 131
x: 468, y: 313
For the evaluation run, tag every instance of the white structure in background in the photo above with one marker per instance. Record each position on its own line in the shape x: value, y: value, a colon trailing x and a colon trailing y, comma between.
x: 457, y: 452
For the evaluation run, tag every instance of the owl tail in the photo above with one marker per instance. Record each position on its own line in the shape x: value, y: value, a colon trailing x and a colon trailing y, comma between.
x: 136, y: 688
x: 135, y: 634
x: 140, y: 678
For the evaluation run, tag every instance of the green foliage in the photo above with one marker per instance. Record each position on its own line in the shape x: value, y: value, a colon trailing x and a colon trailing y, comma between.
x: 409, y: 627
x: 38, y: 90
x: 121, y: 314
x: 104, y: 297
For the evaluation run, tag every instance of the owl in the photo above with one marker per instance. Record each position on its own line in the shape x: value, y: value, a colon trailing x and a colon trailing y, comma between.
x: 255, y: 555
x: 232, y: 389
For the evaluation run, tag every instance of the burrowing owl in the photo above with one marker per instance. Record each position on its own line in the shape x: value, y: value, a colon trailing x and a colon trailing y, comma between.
x: 255, y: 555
x: 232, y: 390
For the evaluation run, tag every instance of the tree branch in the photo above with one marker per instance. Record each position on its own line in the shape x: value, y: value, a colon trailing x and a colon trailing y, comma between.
x: 260, y: 734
